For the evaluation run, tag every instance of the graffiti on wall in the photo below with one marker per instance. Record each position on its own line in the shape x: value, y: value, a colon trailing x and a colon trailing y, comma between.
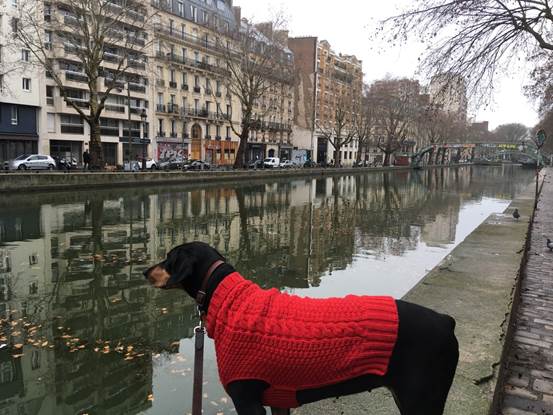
x: 170, y: 151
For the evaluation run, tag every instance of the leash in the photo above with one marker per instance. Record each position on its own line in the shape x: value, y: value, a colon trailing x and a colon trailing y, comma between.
x: 199, y: 336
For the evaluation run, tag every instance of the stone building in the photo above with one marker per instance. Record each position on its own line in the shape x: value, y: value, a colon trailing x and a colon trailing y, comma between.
x: 19, y: 92
x: 449, y: 92
x: 326, y: 81
x: 193, y: 109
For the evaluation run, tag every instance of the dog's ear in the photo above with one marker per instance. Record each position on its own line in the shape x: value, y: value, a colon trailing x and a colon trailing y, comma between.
x: 180, y: 265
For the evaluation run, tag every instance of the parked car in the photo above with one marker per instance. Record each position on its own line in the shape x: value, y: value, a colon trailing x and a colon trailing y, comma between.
x: 309, y: 164
x: 287, y: 164
x: 31, y: 162
x: 271, y: 162
x: 176, y: 163
x: 257, y: 164
x: 197, y: 165
x: 136, y: 165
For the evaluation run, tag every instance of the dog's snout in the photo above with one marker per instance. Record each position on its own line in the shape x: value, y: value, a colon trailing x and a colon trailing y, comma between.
x: 146, y: 272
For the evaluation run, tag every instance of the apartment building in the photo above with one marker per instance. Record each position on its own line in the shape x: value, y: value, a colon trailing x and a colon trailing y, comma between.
x: 192, y: 105
x: 449, y: 93
x: 272, y: 135
x: 19, y: 92
x: 328, y: 80
x: 127, y: 110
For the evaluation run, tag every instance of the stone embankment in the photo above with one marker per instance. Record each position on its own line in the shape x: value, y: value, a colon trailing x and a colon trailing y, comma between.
x: 45, y: 181
x: 477, y: 284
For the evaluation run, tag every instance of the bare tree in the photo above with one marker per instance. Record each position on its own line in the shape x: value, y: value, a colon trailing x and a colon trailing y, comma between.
x: 396, y: 103
x: 364, y: 125
x: 259, y: 70
x: 511, y: 133
x: 85, y: 41
x: 474, y: 38
x: 340, y: 130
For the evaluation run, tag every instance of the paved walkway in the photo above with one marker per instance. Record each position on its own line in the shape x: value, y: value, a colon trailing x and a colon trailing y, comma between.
x: 529, y: 368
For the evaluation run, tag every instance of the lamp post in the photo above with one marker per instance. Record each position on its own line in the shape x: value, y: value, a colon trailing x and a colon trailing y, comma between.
x: 143, y: 117
x: 539, y: 141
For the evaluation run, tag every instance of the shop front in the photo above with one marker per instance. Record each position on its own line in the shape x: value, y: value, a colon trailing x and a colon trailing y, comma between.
x: 220, y: 153
x: 255, y: 151
x: 67, y: 150
x: 167, y: 150
x: 286, y: 152
x: 13, y: 146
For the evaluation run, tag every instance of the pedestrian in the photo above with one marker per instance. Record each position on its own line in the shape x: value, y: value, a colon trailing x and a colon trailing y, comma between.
x: 86, y: 160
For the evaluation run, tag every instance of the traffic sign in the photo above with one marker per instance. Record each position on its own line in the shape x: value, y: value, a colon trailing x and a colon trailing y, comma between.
x: 541, y: 136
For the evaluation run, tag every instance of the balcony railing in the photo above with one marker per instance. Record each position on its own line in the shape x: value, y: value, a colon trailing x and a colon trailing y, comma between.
x: 115, y: 108
x: 184, y: 87
x: 136, y: 64
x: 75, y: 76
x: 172, y: 84
x: 160, y: 82
x: 72, y: 128
x: 172, y: 108
x: 160, y: 108
x: 79, y: 102
x: 197, y: 89
x: 172, y: 57
x: 137, y: 87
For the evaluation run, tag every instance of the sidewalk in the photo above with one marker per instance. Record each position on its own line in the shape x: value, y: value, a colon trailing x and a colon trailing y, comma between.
x: 529, y: 366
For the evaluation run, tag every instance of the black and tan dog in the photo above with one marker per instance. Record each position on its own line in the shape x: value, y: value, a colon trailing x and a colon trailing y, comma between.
x: 420, y: 370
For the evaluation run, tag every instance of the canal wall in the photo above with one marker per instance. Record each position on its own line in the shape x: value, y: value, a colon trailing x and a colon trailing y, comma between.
x: 476, y: 284
x: 59, y: 181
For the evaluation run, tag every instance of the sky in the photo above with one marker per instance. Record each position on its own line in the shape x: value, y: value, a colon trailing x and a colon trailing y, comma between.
x: 348, y: 25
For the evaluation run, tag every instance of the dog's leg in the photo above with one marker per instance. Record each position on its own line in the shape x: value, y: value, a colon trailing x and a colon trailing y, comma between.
x: 247, y: 396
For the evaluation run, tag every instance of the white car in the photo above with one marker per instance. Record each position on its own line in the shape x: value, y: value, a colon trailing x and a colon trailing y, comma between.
x: 136, y: 165
x: 271, y: 162
x: 31, y: 162
x: 287, y: 164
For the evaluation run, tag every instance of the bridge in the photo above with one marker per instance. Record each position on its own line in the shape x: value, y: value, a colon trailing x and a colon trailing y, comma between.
x: 482, y: 153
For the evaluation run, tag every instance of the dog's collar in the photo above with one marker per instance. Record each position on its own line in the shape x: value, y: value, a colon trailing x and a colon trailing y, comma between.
x: 201, y: 296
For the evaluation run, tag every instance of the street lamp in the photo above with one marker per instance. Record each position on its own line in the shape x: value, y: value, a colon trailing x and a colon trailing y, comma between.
x: 143, y: 117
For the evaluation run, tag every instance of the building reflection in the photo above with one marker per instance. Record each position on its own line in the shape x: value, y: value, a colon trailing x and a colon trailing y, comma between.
x: 71, y: 267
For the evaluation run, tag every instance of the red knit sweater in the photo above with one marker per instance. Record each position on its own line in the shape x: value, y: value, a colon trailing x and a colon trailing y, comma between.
x: 295, y: 343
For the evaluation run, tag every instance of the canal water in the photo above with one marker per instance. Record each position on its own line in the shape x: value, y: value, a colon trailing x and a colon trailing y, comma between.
x: 81, y: 331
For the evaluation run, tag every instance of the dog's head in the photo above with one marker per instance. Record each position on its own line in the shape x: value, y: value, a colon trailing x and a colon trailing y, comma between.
x: 184, y: 267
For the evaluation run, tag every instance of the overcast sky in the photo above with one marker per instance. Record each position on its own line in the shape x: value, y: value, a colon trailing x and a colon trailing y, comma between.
x: 347, y: 25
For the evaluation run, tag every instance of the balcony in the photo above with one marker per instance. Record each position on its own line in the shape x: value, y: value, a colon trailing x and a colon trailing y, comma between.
x: 161, y: 133
x: 160, y: 108
x: 172, y: 57
x: 111, y: 83
x: 136, y: 64
x: 172, y: 84
x: 173, y: 134
x: 49, y: 100
x: 208, y: 91
x: 196, y: 41
x: 112, y: 57
x: 137, y: 110
x: 184, y: 87
x: 172, y: 108
x: 75, y: 76
x: 199, y: 113
x: 197, y: 89
x: 218, y: 94
x: 72, y: 129
x: 78, y: 102
x: 160, y: 83
x: 115, y: 108
x: 137, y: 87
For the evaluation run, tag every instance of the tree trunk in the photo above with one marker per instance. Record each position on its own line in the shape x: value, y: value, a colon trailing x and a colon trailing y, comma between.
x: 96, y: 153
x: 240, y: 161
x: 359, y: 149
x: 337, y: 160
x: 387, y: 155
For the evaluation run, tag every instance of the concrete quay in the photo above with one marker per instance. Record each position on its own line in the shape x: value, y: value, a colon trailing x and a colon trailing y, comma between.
x: 528, y: 366
x: 59, y: 181
x: 478, y: 284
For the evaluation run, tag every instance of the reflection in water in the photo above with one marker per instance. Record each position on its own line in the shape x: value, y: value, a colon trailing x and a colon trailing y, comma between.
x: 84, y: 331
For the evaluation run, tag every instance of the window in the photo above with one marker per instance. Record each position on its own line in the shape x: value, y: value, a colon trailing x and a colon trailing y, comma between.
x: 51, y: 118
x: 197, y: 56
x: 194, y: 13
x: 228, y: 132
x: 14, y: 3
x: 173, y: 77
x: 159, y: 72
x: 26, y: 84
x: 14, y: 115
x: 1, y: 53
x: 171, y: 26
x: 25, y: 55
x: 184, y: 78
x: 205, y: 17
x: 160, y: 127
x: 1, y: 82
x: 196, y: 81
